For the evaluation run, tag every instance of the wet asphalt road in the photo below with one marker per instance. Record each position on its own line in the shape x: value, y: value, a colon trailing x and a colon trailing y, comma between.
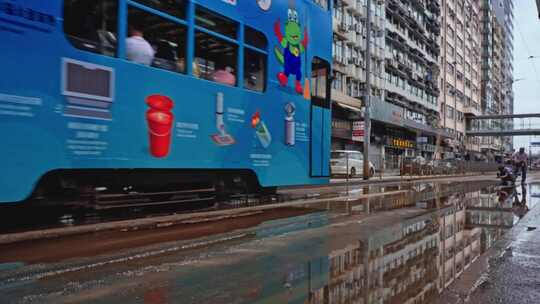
x: 381, y: 250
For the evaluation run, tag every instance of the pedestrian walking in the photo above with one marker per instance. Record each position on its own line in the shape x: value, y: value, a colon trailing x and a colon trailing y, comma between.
x: 520, y: 163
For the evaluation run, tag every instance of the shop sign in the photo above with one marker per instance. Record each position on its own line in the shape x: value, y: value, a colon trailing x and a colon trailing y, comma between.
x: 358, y: 131
x: 428, y: 147
x: 401, y: 143
x: 422, y: 140
x: 341, y: 129
x: 387, y: 112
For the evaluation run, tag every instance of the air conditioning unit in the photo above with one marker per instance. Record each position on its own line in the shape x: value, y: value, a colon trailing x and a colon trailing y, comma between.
x: 358, y: 28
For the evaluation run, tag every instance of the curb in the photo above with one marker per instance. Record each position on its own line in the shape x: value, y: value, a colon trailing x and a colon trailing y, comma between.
x: 167, y: 220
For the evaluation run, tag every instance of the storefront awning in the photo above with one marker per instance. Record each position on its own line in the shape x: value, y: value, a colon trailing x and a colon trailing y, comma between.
x: 348, y: 107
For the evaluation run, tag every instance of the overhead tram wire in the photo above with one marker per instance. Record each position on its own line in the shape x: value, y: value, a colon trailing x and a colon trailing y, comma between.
x: 528, y: 51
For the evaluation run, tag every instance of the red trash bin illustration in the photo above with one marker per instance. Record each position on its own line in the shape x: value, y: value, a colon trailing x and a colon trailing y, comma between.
x: 160, y: 121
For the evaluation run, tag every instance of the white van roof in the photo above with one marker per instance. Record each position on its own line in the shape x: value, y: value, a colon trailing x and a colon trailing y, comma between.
x: 346, y: 151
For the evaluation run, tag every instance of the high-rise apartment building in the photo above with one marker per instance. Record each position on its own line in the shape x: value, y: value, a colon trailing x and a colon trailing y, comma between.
x: 404, y: 72
x: 412, y: 52
x: 460, y: 73
x: 497, y: 69
x: 504, y: 11
x: 435, y: 65
x: 349, y: 65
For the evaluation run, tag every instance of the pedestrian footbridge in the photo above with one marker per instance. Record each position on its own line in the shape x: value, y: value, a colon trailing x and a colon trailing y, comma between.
x: 504, y: 125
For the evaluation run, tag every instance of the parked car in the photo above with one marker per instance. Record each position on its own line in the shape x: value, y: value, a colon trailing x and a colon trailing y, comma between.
x: 443, y: 166
x: 338, y: 163
x: 415, y: 165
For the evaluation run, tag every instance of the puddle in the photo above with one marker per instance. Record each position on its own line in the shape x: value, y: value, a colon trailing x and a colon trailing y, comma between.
x: 401, y: 248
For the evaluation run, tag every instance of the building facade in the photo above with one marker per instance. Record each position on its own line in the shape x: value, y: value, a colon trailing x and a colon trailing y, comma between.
x: 504, y: 11
x: 497, y: 71
x: 349, y: 65
x: 461, y: 69
x: 404, y: 71
x: 435, y: 65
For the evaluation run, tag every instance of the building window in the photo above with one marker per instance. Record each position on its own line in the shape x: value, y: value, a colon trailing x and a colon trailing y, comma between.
x: 338, y: 12
x: 459, y: 42
x: 450, y: 50
x: 449, y: 112
x: 450, y: 89
x: 459, y: 59
x: 459, y: 25
x: 337, y: 84
x: 450, y: 31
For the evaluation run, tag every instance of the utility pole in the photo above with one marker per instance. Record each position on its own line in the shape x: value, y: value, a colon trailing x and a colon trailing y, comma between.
x: 367, y: 97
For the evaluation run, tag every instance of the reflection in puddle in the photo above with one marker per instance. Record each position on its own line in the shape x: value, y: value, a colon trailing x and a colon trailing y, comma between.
x: 401, y: 248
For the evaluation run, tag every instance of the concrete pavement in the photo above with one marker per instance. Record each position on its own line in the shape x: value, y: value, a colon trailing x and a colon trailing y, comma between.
x: 510, y: 271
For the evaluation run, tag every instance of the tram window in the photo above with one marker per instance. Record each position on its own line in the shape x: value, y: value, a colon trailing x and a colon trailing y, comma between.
x: 320, y: 87
x: 91, y: 25
x: 215, y: 22
x: 216, y: 59
x: 254, y: 38
x: 162, y: 44
x: 176, y: 8
x: 254, y: 70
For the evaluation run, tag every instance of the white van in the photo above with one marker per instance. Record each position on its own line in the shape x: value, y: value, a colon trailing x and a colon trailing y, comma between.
x: 338, y: 163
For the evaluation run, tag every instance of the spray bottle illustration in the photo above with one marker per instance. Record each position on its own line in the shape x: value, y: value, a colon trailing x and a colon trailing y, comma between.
x: 261, y: 130
x: 222, y: 138
x: 290, y: 125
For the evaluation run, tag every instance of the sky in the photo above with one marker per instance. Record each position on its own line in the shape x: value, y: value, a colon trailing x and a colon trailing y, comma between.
x: 526, y: 43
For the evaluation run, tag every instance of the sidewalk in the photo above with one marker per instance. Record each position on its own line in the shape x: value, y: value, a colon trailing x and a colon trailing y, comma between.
x: 510, y: 271
x: 397, y: 178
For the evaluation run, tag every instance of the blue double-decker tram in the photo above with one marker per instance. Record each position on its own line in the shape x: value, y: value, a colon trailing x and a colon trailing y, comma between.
x: 154, y: 95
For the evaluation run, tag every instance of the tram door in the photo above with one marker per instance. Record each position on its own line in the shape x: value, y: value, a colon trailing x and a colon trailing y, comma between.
x: 320, y: 118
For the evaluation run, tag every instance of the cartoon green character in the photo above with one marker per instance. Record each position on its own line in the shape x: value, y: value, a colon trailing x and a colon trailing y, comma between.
x: 293, y: 45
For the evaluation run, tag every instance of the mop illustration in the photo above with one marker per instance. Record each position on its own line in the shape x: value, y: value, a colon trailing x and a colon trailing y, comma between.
x: 222, y: 138
x: 261, y: 130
